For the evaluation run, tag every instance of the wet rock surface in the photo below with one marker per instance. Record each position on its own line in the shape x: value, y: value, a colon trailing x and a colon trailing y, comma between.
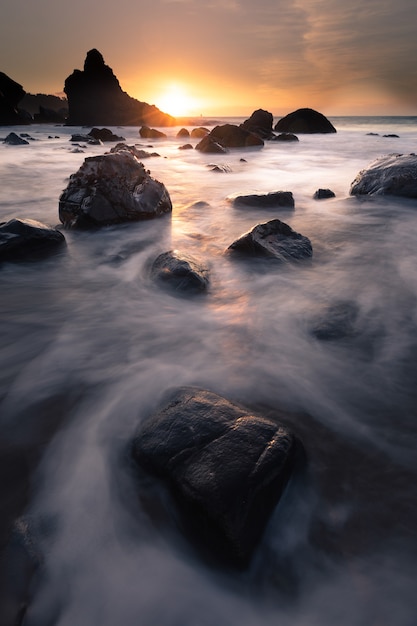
x: 26, y: 240
x: 271, y: 200
x: 111, y: 189
x: 275, y: 240
x: 393, y: 175
x: 180, y: 272
x: 304, y: 121
x: 226, y: 467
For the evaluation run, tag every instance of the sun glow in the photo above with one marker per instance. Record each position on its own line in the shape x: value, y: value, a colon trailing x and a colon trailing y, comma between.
x: 176, y: 101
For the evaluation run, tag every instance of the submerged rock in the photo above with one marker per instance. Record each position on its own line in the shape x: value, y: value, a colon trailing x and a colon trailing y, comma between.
x: 14, y: 140
x: 273, y: 199
x: 323, y: 194
x: 111, y: 189
x: 393, y: 174
x: 180, y: 272
x: 304, y: 121
x: 151, y: 133
x: 226, y: 467
x: 25, y: 239
x: 274, y: 239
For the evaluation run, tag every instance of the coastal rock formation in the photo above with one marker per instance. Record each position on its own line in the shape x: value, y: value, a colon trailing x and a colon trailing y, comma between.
x: 110, y: 189
x: 260, y: 123
x: 151, y: 133
x: 323, y: 194
x: 199, y: 132
x: 15, y: 140
x: 229, y: 136
x: 180, y: 272
x: 275, y: 240
x: 208, y: 145
x: 226, y: 467
x: 285, y: 137
x: 393, y: 175
x: 25, y: 239
x: 304, y: 121
x: 104, y: 134
x: 11, y: 93
x: 273, y: 199
x: 96, y: 98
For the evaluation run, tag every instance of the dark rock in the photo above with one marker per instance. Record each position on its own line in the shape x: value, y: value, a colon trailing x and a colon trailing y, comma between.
x: 104, y: 134
x: 199, y: 132
x: 392, y: 135
x: 223, y: 169
x: 139, y: 154
x: 151, y: 133
x: 111, y: 189
x: 186, y: 146
x: 96, y: 98
x: 183, y: 132
x: 50, y: 116
x: 28, y: 240
x: 304, y: 121
x: 274, y: 239
x: 232, y: 136
x: 270, y: 200
x: 322, y: 194
x: 393, y: 174
x: 337, y: 321
x: 45, y: 108
x: 11, y: 93
x: 285, y: 137
x: 180, y: 272
x: 77, y: 137
x: 373, y: 134
x: 209, y: 146
x: 14, y: 140
x: 226, y: 467
x: 260, y: 123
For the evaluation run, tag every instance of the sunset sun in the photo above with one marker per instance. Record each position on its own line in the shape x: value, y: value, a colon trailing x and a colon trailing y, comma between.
x: 176, y: 101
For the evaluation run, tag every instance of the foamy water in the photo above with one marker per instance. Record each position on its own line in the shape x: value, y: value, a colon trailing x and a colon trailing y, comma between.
x: 89, y: 345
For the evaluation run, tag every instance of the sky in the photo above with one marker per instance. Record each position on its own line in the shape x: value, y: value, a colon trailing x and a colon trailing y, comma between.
x: 224, y: 57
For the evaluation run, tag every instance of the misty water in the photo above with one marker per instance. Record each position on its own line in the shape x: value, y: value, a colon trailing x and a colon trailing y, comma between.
x: 89, y: 344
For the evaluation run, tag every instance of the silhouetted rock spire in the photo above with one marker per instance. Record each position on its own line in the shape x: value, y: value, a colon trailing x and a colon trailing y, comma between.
x: 96, y: 98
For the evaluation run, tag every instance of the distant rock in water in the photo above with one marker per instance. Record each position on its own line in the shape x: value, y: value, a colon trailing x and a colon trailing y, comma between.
x: 96, y: 98
x: 273, y: 199
x: 11, y: 93
x: 151, y: 133
x: 111, y: 189
x: 15, y: 140
x: 260, y: 123
x: 393, y: 175
x: 45, y: 108
x: 323, y: 194
x: 304, y: 121
x: 275, y: 240
x: 228, y: 136
x: 25, y: 239
x: 285, y: 137
x: 104, y: 134
x: 180, y: 272
x: 226, y: 467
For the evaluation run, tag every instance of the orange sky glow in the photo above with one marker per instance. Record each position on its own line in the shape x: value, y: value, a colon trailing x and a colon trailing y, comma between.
x: 225, y: 57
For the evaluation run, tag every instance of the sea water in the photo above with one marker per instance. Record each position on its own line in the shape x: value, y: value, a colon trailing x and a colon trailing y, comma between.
x: 89, y: 345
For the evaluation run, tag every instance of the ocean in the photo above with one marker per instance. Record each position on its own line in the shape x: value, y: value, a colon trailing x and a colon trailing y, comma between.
x: 89, y: 345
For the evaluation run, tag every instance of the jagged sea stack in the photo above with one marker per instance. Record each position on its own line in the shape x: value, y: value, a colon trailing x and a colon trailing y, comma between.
x: 96, y: 98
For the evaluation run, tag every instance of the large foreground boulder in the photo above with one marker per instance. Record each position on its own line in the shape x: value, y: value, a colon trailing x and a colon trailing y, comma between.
x: 226, y: 466
x: 110, y: 189
x: 96, y: 98
x: 231, y: 136
x: 11, y: 93
x: 393, y: 174
x: 180, y: 272
x: 25, y: 239
x: 304, y: 121
x: 274, y: 239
